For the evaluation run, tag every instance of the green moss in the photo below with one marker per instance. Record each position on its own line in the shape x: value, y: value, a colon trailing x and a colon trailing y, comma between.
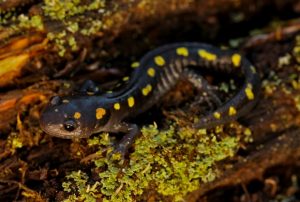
x: 72, y: 18
x: 72, y: 43
x: 13, y: 142
x: 284, y: 60
x: 87, y: 192
x: 31, y: 22
x: 64, y: 11
x: 73, y: 27
x: 60, y: 10
x: 296, y: 49
x: 174, y: 161
x: 297, y: 101
x: 248, y: 135
x: 95, y: 26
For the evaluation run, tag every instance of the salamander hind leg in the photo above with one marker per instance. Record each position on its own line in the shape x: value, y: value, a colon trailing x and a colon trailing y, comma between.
x: 243, y: 101
x: 207, y: 92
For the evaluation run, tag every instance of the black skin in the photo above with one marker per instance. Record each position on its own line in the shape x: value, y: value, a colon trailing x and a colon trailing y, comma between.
x: 93, y: 111
x: 90, y: 87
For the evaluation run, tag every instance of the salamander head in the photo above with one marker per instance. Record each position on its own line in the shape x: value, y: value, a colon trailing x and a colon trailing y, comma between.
x: 68, y: 119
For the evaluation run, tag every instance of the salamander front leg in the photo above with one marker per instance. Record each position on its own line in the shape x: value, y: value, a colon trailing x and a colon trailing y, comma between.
x: 132, y: 131
x: 89, y: 87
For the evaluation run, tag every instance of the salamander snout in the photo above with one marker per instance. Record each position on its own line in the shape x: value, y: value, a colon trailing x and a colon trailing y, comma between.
x: 65, y: 119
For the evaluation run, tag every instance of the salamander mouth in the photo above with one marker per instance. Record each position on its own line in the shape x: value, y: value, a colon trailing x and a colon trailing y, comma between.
x: 58, y: 130
x: 53, y: 127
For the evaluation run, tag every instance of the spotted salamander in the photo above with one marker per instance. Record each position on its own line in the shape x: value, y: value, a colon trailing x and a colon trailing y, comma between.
x: 79, y: 116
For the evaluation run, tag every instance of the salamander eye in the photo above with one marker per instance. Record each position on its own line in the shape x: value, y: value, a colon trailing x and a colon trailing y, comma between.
x: 55, y: 100
x: 70, y: 125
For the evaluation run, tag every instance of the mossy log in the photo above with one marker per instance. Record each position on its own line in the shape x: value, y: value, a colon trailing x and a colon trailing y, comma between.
x: 50, y: 47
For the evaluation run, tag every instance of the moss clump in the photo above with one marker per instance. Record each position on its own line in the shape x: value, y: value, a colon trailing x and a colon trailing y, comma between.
x: 79, y: 179
x: 296, y: 49
x: 82, y: 24
x: 14, y: 142
x: 72, y: 18
x: 173, y: 161
x: 31, y: 22
x: 60, y: 10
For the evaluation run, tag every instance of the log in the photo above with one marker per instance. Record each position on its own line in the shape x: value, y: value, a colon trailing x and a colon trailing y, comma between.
x: 49, y: 48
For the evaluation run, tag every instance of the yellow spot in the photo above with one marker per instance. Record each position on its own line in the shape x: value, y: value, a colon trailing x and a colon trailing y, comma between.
x: 147, y: 90
x: 135, y: 65
x: 232, y: 111
x: 206, y: 55
x: 236, y: 59
x: 151, y: 72
x: 217, y: 115
x: 130, y: 101
x: 182, y: 51
x: 65, y: 101
x: 249, y: 92
x: 100, y: 112
x: 126, y: 78
x: 159, y: 60
x: 117, y: 106
x: 77, y: 115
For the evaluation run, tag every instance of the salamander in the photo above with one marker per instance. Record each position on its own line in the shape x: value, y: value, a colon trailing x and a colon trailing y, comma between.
x: 82, y: 115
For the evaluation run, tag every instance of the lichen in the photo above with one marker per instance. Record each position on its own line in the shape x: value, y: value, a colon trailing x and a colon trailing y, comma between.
x: 284, y: 60
x: 248, y: 135
x: 87, y: 193
x: 30, y: 22
x: 73, y: 18
x: 15, y: 142
x: 296, y: 49
x: 60, y: 10
x: 174, y: 161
